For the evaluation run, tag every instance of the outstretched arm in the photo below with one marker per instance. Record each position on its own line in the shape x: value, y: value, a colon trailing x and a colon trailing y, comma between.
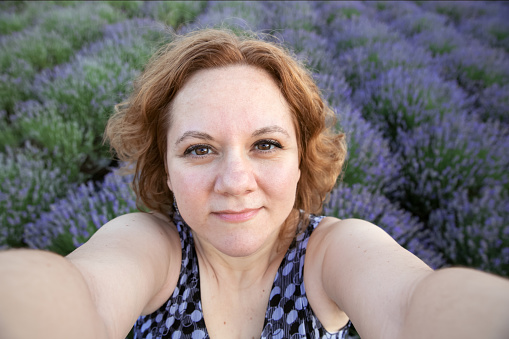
x: 389, y: 293
x: 458, y: 303
x: 42, y: 295
x: 124, y: 270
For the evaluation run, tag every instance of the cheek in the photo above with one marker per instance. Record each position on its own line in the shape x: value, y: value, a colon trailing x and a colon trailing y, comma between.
x: 190, y: 183
x: 281, y: 181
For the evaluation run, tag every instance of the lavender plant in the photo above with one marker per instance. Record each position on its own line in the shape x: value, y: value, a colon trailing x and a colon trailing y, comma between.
x: 55, y: 38
x: 458, y: 12
x: 308, y: 47
x: 290, y: 15
x: 15, y: 88
x: 42, y: 125
x: 494, y: 103
x: 492, y: 30
x: 402, y: 99
x: 370, y: 161
x: 476, y: 67
x: 334, y: 88
x: 366, y: 63
x: 456, y: 153
x: 485, y: 20
x: 29, y: 183
x: 329, y: 11
x: 16, y: 16
x: 470, y: 62
x: 359, y: 202
x: 87, y: 88
x: 439, y: 41
x: 388, y: 11
x: 83, y: 28
x: 474, y: 232
x: 131, y: 9
x: 237, y: 15
x: 72, y: 220
x: 172, y: 13
x: 359, y: 31
x: 417, y: 22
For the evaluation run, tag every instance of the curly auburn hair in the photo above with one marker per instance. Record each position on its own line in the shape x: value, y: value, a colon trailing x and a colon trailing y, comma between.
x: 137, y: 131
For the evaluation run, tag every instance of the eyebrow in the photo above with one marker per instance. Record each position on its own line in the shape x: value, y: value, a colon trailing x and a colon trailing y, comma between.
x: 258, y: 132
x: 194, y: 134
x: 270, y: 129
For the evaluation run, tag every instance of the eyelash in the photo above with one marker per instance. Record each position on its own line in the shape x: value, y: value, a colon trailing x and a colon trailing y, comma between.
x: 271, y: 142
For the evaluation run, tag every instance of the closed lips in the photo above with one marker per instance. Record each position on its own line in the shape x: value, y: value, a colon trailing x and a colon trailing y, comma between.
x: 237, y: 216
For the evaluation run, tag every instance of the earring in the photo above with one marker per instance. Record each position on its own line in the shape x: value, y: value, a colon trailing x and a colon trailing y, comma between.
x: 175, y: 207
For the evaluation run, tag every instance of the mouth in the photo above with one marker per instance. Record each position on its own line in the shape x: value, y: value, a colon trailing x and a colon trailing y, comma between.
x: 237, y: 216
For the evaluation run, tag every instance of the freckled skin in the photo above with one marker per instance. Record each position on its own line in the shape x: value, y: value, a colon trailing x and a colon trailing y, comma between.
x: 229, y: 171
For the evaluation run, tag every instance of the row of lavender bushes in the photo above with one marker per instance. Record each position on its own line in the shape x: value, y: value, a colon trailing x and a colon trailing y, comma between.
x: 431, y: 105
x: 51, y: 138
x: 427, y: 126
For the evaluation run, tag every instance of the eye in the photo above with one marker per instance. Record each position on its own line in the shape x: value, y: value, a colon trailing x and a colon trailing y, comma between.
x: 267, y: 145
x: 199, y: 150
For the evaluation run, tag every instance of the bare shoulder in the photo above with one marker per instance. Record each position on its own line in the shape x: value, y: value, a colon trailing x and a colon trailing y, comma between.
x: 131, y: 265
x: 364, y: 271
x: 351, y: 237
x: 137, y: 236
x: 146, y: 225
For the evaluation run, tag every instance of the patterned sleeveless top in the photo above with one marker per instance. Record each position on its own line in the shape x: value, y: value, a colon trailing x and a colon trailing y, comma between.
x: 288, y: 314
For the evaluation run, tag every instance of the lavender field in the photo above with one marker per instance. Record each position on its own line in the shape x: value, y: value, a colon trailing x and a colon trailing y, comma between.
x: 420, y: 88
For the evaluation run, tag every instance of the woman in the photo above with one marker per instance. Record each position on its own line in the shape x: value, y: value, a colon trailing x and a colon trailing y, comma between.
x: 234, y: 155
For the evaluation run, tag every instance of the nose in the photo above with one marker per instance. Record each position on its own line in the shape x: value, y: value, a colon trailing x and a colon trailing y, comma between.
x: 236, y: 176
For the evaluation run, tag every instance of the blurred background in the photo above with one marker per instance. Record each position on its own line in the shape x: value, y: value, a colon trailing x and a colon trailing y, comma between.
x: 420, y: 88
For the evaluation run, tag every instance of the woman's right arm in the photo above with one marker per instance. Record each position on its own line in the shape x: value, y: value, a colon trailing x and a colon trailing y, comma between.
x: 129, y: 267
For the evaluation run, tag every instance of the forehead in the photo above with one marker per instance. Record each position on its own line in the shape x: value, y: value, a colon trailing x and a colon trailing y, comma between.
x: 230, y: 96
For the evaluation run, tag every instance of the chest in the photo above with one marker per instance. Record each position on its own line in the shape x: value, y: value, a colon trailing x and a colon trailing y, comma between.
x: 235, y: 314
x: 202, y: 307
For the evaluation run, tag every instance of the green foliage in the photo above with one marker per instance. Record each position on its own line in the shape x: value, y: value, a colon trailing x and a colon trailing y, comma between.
x: 177, y: 13
x: 438, y: 49
x: 499, y: 33
x: 449, y: 11
x: 130, y: 8
x: 350, y: 12
x: 28, y: 184
x: 381, y: 5
x: 16, y: 16
x: 54, y: 40
x: 81, y: 24
x: 70, y: 141
x: 482, y: 75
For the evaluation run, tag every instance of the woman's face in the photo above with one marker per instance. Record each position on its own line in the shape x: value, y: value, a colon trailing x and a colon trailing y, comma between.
x: 233, y: 158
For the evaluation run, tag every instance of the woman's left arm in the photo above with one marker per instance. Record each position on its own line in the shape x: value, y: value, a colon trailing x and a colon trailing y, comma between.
x: 458, y: 303
x: 390, y: 293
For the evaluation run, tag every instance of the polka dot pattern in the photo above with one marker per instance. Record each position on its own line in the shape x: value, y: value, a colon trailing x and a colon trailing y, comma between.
x: 288, y: 314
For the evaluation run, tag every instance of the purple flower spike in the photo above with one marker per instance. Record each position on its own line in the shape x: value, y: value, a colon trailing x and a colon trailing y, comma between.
x: 73, y: 219
x: 358, y: 202
x: 474, y: 231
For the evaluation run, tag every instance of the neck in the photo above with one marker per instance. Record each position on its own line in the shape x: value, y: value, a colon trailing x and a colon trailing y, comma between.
x: 238, y: 273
